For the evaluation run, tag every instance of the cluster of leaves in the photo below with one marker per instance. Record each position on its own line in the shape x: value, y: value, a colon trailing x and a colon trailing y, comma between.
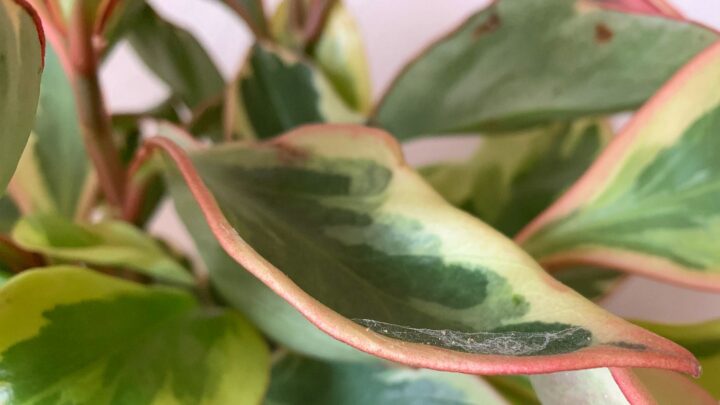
x: 330, y: 271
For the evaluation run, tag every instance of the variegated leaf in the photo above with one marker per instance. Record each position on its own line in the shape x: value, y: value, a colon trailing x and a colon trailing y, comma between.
x: 108, y: 243
x: 703, y: 340
x: 651, y: 203
x: 276, y: 92
x: 72, y: 336
x: 22, y: 46
x: 619, y: 387
x: 511, y: 179
x: 302, y: 381
x: 332, y: 220
x: 524, y: 62
x: 339, y: 52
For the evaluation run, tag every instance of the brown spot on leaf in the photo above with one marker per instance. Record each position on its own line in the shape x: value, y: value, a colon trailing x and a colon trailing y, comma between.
x: 603, y: 33
x: 490, y: 25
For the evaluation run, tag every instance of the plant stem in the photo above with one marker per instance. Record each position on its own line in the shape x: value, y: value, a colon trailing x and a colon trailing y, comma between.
x: 94, y: 120
x: 318, y: 13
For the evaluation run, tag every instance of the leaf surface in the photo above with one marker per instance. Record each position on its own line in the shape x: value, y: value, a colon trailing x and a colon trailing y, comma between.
x: 619, y: 387
x: 276, y: 92
x: 649, y: 204
x: 8, y: 214
x: 298, y: 380
x: 703, y: 340
x: 54, y: 170
x: 339, y: 52
x: 332, y: 219
x: 523, y: 62
x: 74, y: 336
x: 252, y: 12
x: 176, y: 57
x: 22, y: 45
x: 108, y: 243
x: 511, y: 179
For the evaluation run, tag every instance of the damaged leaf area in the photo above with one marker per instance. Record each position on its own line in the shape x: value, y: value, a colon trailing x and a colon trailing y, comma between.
x: 334, y: 222
x: 649, y: 204
x: 520, y: 63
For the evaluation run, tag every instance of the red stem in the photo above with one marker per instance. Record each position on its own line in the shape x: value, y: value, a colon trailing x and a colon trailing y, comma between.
x: 94, y: 120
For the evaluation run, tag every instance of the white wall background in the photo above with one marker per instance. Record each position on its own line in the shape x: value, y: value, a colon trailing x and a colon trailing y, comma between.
x: 394, y: 31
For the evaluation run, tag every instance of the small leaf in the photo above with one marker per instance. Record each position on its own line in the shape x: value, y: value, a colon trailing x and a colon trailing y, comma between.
x: 58, y: 150
x: 339, y: 52
x: 276, y: 92
x: 703, y: 340
x: 649, y: 204
x: 21, y: 61
x: 512, y: 178
x: 301, y: 381
x: 524, y: 62
x: 332, y: 219
x: 74, y: 336
x: 109, y: 243
x: 619, y: 387
x: 176, y: 57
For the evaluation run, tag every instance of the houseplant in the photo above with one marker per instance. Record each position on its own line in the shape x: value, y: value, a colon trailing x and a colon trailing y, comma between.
x: 331, y: 271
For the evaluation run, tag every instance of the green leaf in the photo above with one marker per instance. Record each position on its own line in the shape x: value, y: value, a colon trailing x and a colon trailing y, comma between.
x: 339, y: 52
x: 593, y: 283
x: 8, y: 214
x: 21, y: 62
x: 703, y: 340
x: 649, y: 204
x: 176, y: 57
x: 334, y: 221
x: 516, y: 389
x: 276, y: 92
x: 209, y: 122
x: 4, y: 276
x: 108, y: 243
x: 301, y: 381
x: 253, y: 13
x: 524, y: 62
x: 120, y: 21
x: 512, y: 178
x: 73, y: 336
x: 619, y: 387
x: 59, y: 152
